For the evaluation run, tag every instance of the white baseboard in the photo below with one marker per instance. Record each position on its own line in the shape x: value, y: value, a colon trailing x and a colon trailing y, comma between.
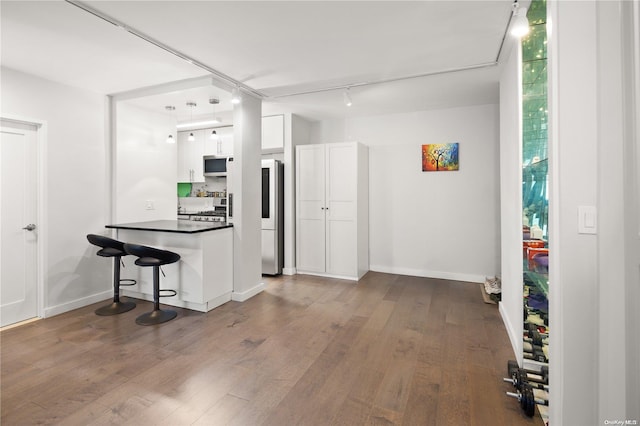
x: 173, y: 301
x: 289, y: 271
x: 246, y: 295
x: 78, y: 303
x: 454, y: 276
x: 513, y: 337
x: 322, y: 274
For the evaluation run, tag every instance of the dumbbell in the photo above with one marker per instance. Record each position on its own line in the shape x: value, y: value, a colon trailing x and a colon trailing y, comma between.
x: 519, y: 378
x: 528, y: 399
x: 529, y: 328
x: 535, y: 338
x: 537, y: 318
x: 533, y: 352
x: 541, y: 376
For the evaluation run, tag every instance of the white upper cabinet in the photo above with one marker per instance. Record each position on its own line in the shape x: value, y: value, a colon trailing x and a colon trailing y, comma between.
x: 223, y: 145
x: 273, y: 133
x: 190, y: 155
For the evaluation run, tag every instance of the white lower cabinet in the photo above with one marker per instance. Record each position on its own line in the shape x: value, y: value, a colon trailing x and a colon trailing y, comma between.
x: 332, y: 218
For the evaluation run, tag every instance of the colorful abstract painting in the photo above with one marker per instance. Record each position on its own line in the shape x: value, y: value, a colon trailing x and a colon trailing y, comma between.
x: 440, y: 157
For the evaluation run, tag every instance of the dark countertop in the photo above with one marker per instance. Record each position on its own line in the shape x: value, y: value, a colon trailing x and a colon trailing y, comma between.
x: 179, y: 226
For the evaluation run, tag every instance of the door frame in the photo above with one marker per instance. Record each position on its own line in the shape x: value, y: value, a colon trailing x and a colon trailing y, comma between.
x: 41, y: 198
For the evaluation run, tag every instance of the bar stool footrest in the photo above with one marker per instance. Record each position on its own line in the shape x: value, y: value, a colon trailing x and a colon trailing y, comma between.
x: 171, y: 292
x: 127, y: 281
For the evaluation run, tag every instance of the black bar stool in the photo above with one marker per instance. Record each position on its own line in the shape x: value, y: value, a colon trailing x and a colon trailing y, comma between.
x: 150, y: 256
x: 113, y: 248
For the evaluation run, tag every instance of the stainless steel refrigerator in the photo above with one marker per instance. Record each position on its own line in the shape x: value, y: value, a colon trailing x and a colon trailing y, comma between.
x: 272, y: 217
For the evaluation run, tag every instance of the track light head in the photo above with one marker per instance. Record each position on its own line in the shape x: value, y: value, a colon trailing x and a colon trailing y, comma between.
x: 519, y: 21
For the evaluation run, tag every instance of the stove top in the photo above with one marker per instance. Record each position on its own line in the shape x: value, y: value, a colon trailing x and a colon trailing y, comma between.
x: 211, y: 213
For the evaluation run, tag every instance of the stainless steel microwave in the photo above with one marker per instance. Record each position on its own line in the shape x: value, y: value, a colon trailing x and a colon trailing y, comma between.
x: 214, y: 165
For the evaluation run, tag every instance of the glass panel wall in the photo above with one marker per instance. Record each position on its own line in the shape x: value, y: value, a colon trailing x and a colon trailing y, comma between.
x: 535, y: 201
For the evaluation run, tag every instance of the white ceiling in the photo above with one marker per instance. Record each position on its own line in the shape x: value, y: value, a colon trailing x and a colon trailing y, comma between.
x: 277, y: 48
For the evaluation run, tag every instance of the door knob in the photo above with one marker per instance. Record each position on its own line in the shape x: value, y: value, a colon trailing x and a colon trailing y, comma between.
x: 30, y: 227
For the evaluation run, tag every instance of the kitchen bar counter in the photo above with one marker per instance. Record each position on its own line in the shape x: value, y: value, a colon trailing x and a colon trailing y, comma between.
x: 179, y: 226
x: 202, y: 278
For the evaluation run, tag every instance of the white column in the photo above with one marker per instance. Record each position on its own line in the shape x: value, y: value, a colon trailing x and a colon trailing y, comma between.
x: 247, y: 254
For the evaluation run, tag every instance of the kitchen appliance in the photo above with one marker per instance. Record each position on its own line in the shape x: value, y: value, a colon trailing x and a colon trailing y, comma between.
x: 272, y: 217
x: 217, y: 215
x: 213, y: 165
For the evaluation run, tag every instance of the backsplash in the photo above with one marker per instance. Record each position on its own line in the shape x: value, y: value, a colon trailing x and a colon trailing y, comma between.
x: 199, y: 196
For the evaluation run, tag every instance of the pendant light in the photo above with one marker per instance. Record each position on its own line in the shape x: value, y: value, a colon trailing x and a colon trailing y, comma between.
x: 216, y: 120
x: 347, y: 97
x: 519, y: 23
x: 191, y: 138
x: 236, y: 97
x: 170, y: 138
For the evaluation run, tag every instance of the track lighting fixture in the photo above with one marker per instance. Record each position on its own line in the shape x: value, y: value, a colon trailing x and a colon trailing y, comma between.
x: 347, y: 97
x: 214, y: 135
x: 519, y: 21
x: 236, y: 97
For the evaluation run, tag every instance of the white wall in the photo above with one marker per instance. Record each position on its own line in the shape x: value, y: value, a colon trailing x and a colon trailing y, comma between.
x: 573, y: 180
x: 630, y: 23
x: 435, y: 224
x: 611, y: 203
x: 511, y: 195
x: 146, y: 166
x: 75, y: 193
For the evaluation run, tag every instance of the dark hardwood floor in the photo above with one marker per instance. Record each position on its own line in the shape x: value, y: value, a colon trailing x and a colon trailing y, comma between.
x: 307, y: 351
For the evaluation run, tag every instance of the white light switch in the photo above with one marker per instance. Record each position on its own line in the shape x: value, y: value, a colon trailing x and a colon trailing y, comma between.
x: 587, y: 220
x: 149, y: 205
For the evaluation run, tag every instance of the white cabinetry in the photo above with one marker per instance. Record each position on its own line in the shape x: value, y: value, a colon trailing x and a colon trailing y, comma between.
x: 190, y: 156
x: 273, y: 133
x: 332, y: 219
x: 223, y: 145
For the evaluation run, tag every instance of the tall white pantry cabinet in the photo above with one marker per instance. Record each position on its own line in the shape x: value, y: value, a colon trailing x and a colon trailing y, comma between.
x: 332, y: 210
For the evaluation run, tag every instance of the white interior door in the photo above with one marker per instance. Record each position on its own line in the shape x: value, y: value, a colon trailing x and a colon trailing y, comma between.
x: 18, y: 231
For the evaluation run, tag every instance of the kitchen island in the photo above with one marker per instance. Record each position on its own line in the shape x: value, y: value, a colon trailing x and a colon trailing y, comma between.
x: 202, y: 279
